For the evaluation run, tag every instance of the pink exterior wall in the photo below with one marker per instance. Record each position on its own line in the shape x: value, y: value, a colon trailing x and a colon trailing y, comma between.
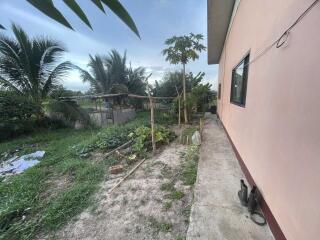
x: 277, y: 134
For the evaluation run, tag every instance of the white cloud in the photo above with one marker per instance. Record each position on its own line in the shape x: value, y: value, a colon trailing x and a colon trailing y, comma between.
x: 74, y: 82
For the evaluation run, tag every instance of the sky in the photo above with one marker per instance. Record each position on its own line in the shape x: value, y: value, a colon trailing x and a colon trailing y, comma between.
x: 156, y: 21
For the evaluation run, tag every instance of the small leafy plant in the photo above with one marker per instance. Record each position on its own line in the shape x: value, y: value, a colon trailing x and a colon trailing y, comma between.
x: 141, y: 137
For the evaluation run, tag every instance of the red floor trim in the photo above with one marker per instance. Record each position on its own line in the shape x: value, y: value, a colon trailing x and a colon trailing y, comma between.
x: 273, y: 224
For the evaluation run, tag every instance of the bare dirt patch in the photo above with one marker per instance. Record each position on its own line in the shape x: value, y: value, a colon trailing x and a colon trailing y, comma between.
x: 151, y: 204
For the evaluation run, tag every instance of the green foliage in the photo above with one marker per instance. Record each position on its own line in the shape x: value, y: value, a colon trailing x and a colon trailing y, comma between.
x: 38, y: 199
x: 172, y: 81
x: 110, y: 74
x: 31, y: 67
x: 67, y: 205
x: 201, y: 96
x: 15, y: 107
x: 70, y: 112
x: 61, y: 91
x: 167, y: 205
x: 182, y: 49
x: 160, y: 226
x: 48, y: 8
x: 176, y: 195
x: 142, y: 137
x: 190, y: 165
x: 112, y: 137
x: 167, y: 186
x: 17, y: 116
x: 180, y: 238
x: 165, y: 118
x: 119, y: 88
x: 46, y: 196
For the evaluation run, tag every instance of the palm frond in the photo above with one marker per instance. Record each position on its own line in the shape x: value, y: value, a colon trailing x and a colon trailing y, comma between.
x: 117, y: 8
x: 73, y: 5
x: 8, y: 85
x: 56, y: 76
x: 99, y: 5
x: 30, y: 65
x: 47, y: 7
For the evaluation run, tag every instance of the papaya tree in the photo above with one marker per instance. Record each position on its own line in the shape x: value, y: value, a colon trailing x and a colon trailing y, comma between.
x: 181, y: 50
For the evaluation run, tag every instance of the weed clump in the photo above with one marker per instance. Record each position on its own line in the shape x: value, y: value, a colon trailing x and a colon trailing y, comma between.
x: 159, y: 226
x: 190, y: 165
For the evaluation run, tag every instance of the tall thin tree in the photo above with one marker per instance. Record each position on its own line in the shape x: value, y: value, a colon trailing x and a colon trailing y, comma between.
x: 181, y: 50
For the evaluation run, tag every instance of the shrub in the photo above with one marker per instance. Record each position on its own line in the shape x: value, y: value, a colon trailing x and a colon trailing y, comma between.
x: 142, y: 137
x: 112, y: 137
x: 17, y: 115
x: 14, y: 107
x: 70, y: 112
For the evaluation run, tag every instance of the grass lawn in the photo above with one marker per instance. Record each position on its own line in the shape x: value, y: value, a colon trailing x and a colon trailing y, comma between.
x: 47, y: 195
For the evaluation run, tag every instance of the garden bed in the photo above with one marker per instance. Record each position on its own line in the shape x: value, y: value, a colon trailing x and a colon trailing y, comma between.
x: 153, y: 203
x: 74, y: 176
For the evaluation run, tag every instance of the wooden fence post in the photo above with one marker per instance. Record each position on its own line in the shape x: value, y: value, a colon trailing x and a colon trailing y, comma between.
x: 151, y: 103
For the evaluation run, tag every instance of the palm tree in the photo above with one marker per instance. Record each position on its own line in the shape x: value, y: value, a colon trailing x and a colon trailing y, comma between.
x: 30, y: 66
x: 136, y: 82
x: 98, y: 77
x: 111, y: 70
x: 117, y: 67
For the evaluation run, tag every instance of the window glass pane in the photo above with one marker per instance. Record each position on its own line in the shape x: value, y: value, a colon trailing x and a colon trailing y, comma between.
x: 239, y: 81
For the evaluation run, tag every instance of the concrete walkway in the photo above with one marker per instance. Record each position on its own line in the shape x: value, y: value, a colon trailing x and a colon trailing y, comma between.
x: 216, y: 212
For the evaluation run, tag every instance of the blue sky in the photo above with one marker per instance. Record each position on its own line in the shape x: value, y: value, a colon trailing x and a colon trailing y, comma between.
x: 156, y: 20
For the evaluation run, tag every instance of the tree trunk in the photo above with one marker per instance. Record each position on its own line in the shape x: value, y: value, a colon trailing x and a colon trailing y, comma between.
x: 179, y: 106
x: 185, y: 95
x: 179, y: 111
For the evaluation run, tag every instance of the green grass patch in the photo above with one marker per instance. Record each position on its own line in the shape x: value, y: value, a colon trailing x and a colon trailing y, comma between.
x: 176, y: 195
x: 180, y: 238
x: 189, y: 167
x: 167, y: 205
x: 48, y: 195
x: 160, y: 226
x: 167, y: 187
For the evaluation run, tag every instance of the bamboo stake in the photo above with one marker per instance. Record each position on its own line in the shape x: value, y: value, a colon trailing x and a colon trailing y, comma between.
x: 125, y: 177
x: 118, y: 148
x: 152, y: 125
x: 101, y: 120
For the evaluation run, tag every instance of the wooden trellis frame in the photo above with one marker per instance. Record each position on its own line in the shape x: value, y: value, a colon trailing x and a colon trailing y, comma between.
x: 151, y: 99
